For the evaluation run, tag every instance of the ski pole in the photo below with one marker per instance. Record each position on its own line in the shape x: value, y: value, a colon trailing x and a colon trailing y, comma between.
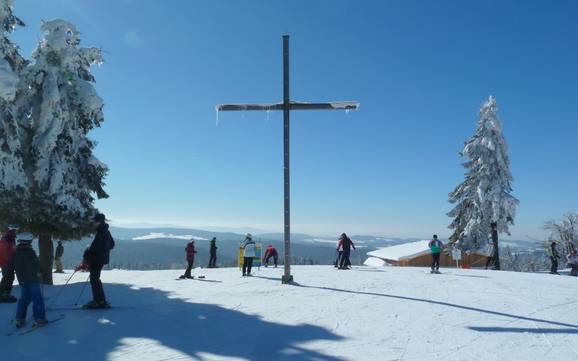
x: 82, y: 291
x: 62, y: 289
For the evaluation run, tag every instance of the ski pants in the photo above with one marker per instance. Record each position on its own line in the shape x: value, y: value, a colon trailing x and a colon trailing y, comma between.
x: 58, y: 263
x: 554, y: 268
x: 189, y: 267
x: 7, y: 279
x: 96, y: 284
x: 435, y: 263
x: 213, y: 260
x: 275, y: 259
x: 345, y: 259
x: 574, y: 270
x: 247, y: 264
x: 30, y: 292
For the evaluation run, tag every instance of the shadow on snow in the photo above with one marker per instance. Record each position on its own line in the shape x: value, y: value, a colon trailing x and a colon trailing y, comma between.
x: 185, y: 327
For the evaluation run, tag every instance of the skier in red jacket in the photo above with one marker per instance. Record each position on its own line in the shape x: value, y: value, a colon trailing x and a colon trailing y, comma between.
x: 271, y: 252
x: 7, y: 244
x: 190, y: 250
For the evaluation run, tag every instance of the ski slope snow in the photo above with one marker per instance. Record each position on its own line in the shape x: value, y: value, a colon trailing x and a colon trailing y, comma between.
x: 367, y: 313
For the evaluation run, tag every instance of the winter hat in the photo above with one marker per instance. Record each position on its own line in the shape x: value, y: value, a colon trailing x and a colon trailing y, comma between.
x: 248, y: 235
x: 99, y: 217
x: 435, y: 236
x: 25, y: 237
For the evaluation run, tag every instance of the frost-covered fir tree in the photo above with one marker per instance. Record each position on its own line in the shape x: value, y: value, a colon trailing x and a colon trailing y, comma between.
x: 12, y: 180
x: 57, y: 107
x: 484, y: 206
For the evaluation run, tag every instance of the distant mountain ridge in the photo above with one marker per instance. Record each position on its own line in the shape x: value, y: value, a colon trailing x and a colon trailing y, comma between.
x: 163, y: 247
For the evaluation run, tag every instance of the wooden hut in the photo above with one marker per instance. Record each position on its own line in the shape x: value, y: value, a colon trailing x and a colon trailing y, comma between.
x: 418, y: 254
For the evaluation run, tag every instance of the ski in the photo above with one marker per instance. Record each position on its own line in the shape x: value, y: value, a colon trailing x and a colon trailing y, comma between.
x: 192, y: 278
x: 80, y: 308
x: 34, y: 327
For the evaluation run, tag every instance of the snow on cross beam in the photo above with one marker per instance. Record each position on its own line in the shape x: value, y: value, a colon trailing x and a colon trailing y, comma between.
x: 348, y: 105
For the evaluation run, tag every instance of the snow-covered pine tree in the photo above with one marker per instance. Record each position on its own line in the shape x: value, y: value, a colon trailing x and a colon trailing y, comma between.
x: 12, y: 179
x: 58, y: 106
x: 564, y: 231
x: 484, y: 206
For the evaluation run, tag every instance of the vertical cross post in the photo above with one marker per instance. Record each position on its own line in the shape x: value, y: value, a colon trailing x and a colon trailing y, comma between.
x: 287, y: 277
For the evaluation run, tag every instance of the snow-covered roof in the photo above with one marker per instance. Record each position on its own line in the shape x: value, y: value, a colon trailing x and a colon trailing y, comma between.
x: 402, y: 251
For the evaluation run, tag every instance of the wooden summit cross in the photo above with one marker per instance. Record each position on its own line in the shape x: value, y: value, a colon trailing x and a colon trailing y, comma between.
x: 286, y: 106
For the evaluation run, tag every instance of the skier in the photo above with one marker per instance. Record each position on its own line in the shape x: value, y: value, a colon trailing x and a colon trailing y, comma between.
x: 490, y: 253
x: 345, y: 243
x: 27, y: 269
x: 572, y: 259
x: 213, y: 253
x: 248, y: 246
x: 58, y: 257
x: 7, y: 244
x: 554, y: 255
x: 436, y: 246
x: 95, y: 257
x: 339, y: 253
x: 271, y: 252
x: 190, y: 251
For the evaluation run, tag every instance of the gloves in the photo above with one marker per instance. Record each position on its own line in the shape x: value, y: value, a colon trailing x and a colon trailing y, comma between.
x: 81, y: 267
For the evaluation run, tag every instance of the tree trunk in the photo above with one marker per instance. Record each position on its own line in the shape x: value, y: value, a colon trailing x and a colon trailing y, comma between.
x: 496, y: 255
x: 46, y: 258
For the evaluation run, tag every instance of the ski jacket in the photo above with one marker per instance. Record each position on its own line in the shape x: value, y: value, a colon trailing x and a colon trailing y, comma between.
x: 572, y: 259
x: 59, y: 251
x: 213, y: 249
x: 249, y: 247
x: 271, y: 251
x: 345, y: 244
x: 190, y: 249
x: 7, y: 248
x: 26, y: 264
x: 435, y: 245
x: 98, y: 253
x: 554, y: 251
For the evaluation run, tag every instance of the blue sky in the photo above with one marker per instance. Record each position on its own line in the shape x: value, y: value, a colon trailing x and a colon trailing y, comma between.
x: 420, y: 69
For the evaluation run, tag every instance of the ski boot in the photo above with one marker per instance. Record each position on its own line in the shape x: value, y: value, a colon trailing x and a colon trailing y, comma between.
x: 39, y: 322
x: 20, y: 322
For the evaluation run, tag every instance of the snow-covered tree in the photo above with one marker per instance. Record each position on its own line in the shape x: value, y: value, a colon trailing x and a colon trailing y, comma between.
x: 564, y: 231
x: 484, y: 206
x: 12, y: 179
x: 57, y: 107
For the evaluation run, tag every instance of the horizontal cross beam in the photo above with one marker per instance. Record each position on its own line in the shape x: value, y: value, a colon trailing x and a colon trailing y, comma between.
x: 292, y: 106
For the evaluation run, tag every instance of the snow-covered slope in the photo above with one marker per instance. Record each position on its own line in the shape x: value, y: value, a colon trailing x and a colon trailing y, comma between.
x: 362, y: 314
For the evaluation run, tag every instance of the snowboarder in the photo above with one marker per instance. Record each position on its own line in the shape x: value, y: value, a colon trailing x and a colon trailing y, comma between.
x: 213, y: 253
x: 95, y: 257
x: 7, y: 244
x: 572, y: 259
x: 248, y: 246
x: 345, y: 243
x: 190, y: 252
x: 436, y: 246
x: 554, y: 255
x: 271, y: 252
x: 58, y: 257
x: 27, y: 269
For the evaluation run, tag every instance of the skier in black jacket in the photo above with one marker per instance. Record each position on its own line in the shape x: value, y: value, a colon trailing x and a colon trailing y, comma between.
x: 27, y: 270
x: 213, y: 253
x: 96, y: 256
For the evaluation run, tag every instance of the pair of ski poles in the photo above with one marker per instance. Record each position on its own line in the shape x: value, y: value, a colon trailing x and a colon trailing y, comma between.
x: 64, y: 286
